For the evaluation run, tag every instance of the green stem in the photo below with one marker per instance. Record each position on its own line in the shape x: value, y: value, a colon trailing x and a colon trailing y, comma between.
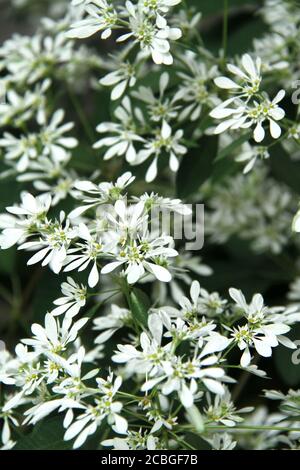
x: 82, y: 117
x: 181, y: 441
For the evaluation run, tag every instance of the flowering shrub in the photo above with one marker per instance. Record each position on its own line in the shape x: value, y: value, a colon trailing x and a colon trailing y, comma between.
x: 118, y: 118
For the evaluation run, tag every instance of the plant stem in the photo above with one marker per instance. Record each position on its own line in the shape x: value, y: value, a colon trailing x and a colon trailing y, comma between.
x: 181, y: 441
x: 225, y: 30
x: 243, y: 380
x: 258, y: 428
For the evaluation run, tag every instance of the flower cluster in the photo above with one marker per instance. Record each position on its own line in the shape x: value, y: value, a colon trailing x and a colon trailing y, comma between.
x: 49, y: 373
x: 120, y: 237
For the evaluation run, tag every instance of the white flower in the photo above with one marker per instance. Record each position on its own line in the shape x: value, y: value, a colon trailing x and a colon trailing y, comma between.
x: 22, y: 149
x: 195, y: 90
x: 123, y: 143
x: 7, y: 368
x: 164, y: 141
x: 52, y: 246
x: 154, y: 201
x: 74, y: 298
x: 60, y: 186
x: 250, y: 77
x: 53, y: 338
x: 254, y: 208
x: 8, y: 420
x: 105, y: 407
x: 222, y: 442
x: 250, y: 154
x: 120, y: 79
x: 202, y: 303
x: 40, y: 411
x: 246, y: 115
x: 101, y: 193
x: 160, y: 107
x: 18, y: 109
x: 49, y: 142
x: 53, y: 140
x: 170, y: 372
x: 85, y: 254
x: 222, y: 410
x: 159, y: 6
x: 26, y: 218
x: 140, y: 255
x: 152, y: 356
x: 29, y: 59
x: 133, y: 441
x: 111, y: 322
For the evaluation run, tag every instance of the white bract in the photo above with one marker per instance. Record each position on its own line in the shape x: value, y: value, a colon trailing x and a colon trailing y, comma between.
x: 135, y: 353
x: 245, y: 115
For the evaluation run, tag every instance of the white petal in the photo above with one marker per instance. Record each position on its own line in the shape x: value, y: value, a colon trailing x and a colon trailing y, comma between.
x: 152, y: 171
x: 259, y: 132
x: 275, y: 129
x: 226, y: 83
x: 246, y: 358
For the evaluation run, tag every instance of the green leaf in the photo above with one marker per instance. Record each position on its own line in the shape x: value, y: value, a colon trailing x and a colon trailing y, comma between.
x: 46, y: 435
x: 196, y: 166
x: 233, y: 146
x: 139, y: 306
